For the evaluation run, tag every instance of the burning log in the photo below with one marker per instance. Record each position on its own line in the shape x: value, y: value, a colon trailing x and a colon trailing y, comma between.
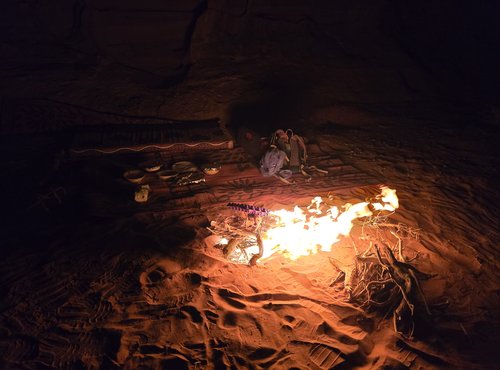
x: 347, y: 272
x: 255, y: 257
x: 242, y: 238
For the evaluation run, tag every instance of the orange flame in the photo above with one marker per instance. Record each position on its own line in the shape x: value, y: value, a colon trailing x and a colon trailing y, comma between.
x: 304, y: 232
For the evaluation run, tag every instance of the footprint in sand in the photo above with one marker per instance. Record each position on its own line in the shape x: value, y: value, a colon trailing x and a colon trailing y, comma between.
x: 86, y: 312
x: 231, y: 299
x: 193, y: 313
x: 211, y: 316
x: 167, y: 284
x: 230, y: 320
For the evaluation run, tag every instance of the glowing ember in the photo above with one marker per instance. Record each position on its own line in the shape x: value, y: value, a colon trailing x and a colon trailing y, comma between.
x: 301, y: 233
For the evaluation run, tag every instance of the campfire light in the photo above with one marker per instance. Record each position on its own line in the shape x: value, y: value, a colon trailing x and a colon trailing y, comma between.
x: 304, y: 232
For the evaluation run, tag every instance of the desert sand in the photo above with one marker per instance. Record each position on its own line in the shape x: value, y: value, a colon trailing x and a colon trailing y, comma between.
x: 93, y: 280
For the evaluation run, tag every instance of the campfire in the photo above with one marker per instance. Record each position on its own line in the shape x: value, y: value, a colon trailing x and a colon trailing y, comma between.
x: 372, y: 278
x: 261, y: 233
x: 303, y: 232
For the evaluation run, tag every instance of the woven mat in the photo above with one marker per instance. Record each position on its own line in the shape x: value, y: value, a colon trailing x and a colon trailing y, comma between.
x: 238, y: 181
x: 173, y: 137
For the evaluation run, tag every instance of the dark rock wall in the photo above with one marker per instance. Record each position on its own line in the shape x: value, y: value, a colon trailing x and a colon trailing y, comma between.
x: 164, y: 37
x: 458, y: 41
x: 159, y: 56
x: 149, y: 35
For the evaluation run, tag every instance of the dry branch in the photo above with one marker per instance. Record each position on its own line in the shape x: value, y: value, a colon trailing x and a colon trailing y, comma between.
x: 385, y: 284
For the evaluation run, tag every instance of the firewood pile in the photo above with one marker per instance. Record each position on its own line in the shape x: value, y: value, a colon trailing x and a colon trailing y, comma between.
x: 242, y: 231
x: 380, y: 283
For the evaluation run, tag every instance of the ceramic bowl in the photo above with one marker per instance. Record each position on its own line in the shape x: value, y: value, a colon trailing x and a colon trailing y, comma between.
x: 152, y: 167
x: 135, y: 176
x: 211, y: 168
x: 166, y: 174
x: 184, y: 166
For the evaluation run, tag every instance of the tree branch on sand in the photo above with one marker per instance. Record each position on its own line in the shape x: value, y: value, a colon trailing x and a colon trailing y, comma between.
x: 385, y: 284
